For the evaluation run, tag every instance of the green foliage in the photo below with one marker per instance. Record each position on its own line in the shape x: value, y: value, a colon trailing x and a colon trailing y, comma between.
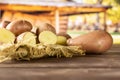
x: 117, y: 1
x: 114, y: 12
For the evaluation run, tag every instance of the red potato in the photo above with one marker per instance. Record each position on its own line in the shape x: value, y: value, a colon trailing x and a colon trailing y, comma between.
x: 47, y: 37
x: 19, y: 26
x: 6, y: 36
x: 61, y: 40
x: 45, y: 27
x: 27, y: 38
x: 94, y: 42
x: 64, y: 34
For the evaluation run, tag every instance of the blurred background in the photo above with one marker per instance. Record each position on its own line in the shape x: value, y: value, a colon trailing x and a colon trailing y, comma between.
x: 75, y: 17
x: 87, y: 22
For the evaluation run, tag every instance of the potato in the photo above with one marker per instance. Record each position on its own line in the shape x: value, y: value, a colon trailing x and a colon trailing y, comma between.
x: 19, y: 26
x: 64, y: 34
x: 47, y: 37
x: 3, y: 24
x: 45, y: 27
x: 6, y: 36
x: 61, y: 40
x: 27, y: 38
x: 94, y: 42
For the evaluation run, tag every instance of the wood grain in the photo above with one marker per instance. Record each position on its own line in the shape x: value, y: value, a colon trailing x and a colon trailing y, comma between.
x: 90, y: 67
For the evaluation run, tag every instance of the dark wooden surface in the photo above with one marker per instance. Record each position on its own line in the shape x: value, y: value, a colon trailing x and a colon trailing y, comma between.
x: 90, y: 67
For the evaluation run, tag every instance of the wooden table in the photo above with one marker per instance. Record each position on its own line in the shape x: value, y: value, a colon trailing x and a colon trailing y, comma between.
x: 90, y: 67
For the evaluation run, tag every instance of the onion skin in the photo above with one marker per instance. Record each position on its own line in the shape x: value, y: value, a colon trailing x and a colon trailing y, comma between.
x: 94, y: 42
x: 19, y: 26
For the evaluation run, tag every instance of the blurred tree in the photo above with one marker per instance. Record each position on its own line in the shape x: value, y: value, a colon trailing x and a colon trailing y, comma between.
x: 117, y: 1
x: 114, y: 12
